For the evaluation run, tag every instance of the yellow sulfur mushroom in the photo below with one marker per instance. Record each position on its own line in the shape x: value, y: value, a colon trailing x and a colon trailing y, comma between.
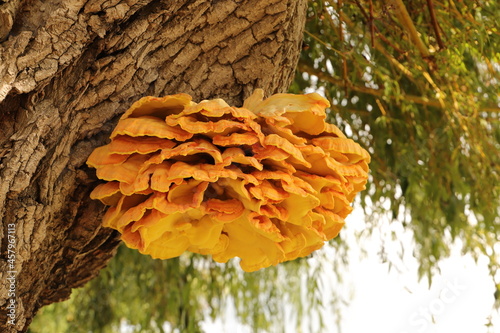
x: 268, y: 182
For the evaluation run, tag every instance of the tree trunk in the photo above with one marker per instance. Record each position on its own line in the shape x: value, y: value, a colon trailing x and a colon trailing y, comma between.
x: 68, y: 70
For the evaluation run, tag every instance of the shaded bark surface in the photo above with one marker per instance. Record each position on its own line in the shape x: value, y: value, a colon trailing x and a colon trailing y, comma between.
x: 68, y: 70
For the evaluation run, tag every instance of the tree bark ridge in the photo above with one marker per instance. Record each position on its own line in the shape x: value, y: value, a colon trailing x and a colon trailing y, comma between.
x: 68, y: 70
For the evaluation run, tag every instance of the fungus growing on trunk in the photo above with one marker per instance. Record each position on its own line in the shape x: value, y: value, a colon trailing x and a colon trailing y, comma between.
x: 268, y: 182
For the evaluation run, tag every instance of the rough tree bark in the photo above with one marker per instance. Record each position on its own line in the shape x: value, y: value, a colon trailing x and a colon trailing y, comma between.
x: 68, y: 69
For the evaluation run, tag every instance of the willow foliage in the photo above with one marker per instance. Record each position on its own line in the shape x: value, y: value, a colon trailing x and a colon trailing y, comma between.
x: 417, y: 84
x: 138, y: 294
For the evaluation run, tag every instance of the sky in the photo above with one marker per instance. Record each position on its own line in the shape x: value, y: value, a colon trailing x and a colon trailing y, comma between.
x: 380, y: 299
x: 390, y: 298
x: 460, y: 298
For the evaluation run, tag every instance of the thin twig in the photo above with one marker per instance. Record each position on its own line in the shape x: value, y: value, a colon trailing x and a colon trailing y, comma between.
x: 362, y: 10
x: 493, y: 109
x: 328, y: 46
x: 382, y: 50
x: 372, y: 25
x: 344, y: 58
x: 407, y: 23
x: 382, y: 37
x: 441, y: 95
x: 303, y: 67
x: 435, y: 24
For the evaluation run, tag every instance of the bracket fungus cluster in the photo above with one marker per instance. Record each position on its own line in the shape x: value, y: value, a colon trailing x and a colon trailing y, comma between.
x: 268, y: 182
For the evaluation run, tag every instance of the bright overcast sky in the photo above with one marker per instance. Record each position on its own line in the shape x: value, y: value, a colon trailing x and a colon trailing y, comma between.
x: 459, y: 301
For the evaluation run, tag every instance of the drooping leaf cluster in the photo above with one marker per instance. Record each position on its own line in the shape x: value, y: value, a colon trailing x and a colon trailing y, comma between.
x: 417, y: 83
x: 138, y: 294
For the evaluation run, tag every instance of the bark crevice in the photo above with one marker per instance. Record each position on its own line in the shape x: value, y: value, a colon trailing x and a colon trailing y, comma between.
x: 68, y: 70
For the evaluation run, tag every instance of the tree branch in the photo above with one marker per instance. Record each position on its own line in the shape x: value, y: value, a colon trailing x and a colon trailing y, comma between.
x: 328, y: 46
x: 382, y: 50
x: 407, y: 23
x: 435, y: 26
x: 379, y: 34
x: 303, y: 67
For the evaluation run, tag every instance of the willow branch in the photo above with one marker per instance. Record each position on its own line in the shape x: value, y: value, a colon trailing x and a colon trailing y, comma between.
x: 407, y: 23
x: 387, y: 41
x: 379, y: 34
x: 435, y: 25
x: 305, y: 68
x: 328, y: 46
x: 345, y: 74
x: 381, y: 49
x: 492, y: 109
x: 372, y: 24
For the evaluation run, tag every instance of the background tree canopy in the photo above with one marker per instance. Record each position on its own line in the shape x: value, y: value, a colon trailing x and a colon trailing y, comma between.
x: 417, y: 84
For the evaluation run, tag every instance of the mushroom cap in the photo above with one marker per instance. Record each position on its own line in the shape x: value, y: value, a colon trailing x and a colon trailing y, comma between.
x: 268, y: 182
